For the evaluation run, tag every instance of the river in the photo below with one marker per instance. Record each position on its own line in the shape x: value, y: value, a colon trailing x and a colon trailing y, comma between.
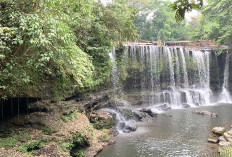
x: 184, y: 134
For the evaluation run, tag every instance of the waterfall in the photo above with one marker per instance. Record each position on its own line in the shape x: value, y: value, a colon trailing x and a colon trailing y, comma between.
x: 225, y: 95
x: 163, y: 68
x: 161, y: 77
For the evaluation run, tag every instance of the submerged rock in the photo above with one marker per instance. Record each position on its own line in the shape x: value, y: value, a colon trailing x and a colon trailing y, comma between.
x: 213, y: 140
x: 165, y: 107
x: 186, y: 105
x: 219, y: 130
x: 204, y: 112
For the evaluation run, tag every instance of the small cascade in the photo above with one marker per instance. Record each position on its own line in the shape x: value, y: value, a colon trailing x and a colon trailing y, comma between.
x: 225, y: 95
x: 114, y: 72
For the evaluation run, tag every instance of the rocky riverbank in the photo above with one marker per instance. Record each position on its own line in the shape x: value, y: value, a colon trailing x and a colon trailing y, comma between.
x: 222, y: 137
x: 66, y: 128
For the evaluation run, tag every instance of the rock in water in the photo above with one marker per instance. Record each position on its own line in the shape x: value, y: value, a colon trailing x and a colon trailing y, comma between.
x: 186, y: 105
x: 130, y: 126
x: 219, y: 130
x: 213, y: 140
x: 139, y: 116
x: 204, y: 112
x: 149, y: 112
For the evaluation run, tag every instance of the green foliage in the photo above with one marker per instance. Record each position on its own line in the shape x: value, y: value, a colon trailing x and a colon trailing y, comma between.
x: 226, y: 152
x: 13, y: 139
x: 33, y: 145
x: 76, y: 145
x: 127, y: 113
x: 183, y: 6
x: 47, y: 130
x: 156, y: 21
x: 102, y: 124
x: 58, y: 45
x: 8, y: 142
x: 69, y: 116
x: 215, y: 22
x: 79, y: 153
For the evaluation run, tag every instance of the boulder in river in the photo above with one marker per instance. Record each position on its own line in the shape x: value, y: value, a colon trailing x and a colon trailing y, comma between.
x: 139, y: 116
x: 219, y: 130
x: 149, y: 112
x: 130, y: 126
x: 213, y: 140
x: 204, y: 112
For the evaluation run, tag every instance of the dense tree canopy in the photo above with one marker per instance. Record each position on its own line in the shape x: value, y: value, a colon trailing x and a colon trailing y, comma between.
x: 58, y: 44
x: 157, y: 21
x: 215, y: 22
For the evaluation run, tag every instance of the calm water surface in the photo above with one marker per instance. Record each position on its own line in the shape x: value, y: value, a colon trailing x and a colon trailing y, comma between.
x: 183, y: 135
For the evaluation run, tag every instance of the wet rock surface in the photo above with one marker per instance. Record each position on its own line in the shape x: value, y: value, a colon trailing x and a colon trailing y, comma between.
x: 130, y: 126
x: 213, y: 140
x: 149, y: 112
x: 225, y: 138
x: 218, y: 130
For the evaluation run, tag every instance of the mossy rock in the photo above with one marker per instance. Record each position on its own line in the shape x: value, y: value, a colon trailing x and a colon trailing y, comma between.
x: 102, y: 124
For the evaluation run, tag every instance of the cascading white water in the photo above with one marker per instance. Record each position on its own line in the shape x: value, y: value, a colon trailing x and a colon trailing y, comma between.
x: 171, y: 68
x: 114, y: 72
x: 185, y: 76
x: 169, y: 63
x: 225, y: 95
x: 177, y: 66
x: 165, y: 77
